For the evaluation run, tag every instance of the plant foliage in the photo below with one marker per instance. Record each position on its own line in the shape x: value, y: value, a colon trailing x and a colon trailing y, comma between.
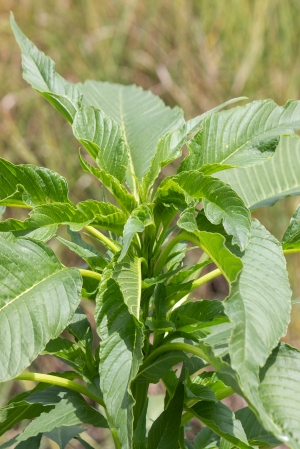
x: 136, y: 269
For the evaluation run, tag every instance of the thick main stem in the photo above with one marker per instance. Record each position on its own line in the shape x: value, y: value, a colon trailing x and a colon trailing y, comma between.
x: 90, y: 274
x: 60, y: 381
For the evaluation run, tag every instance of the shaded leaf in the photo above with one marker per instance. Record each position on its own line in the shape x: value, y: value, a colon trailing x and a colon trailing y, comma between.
x: 256, y: 434
x: 157, y: 369
x: 62, y: 435
x: 291, y: 238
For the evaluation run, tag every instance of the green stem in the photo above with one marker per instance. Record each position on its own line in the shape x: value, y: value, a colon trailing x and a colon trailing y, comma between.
x: 207, y: 277
x: 90, y: 274
x: 291, y: 251
x: 103, y: 238
x: 172, y: 347
x: 60, y: 381
x: 20, y: 206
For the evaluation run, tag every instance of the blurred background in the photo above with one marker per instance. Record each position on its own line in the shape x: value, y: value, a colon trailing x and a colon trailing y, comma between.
x: 192, y: 53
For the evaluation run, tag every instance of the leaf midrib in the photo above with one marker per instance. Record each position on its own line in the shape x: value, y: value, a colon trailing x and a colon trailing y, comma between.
x: 32, y: 287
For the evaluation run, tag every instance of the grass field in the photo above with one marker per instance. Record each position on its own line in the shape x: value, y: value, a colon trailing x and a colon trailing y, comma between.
x: 194, y: 53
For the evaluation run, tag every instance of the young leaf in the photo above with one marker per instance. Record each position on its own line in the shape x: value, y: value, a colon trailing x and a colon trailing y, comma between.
x: 197, y: 315
x: 27, y: 185
x: 87, y: 252
x: 164, y: 432
x: 242, y: 136
x: 267, y: 183
x: 219, y: 418
x: 291, y: 238
x: 258, y: 306
x: 103, y: 215
x: 206, y: 439
x: 68, y: 412
x: 141, y: 217
x: 153, y: 373
x: 142, y: 116
x: 124, y: 198
x: 35, y: 305
x: 221, y: 203
x: 39, y: 71
x: 103, y: 139
x: 120, y: 355
x: 64, y: 349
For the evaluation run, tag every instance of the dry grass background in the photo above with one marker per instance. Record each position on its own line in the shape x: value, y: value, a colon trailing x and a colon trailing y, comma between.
x: 194, y: 53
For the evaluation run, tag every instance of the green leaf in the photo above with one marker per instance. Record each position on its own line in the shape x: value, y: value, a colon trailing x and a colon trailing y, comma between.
x: 143, y: 118
x: 153, y: 373
x: 221, y: 203
x: 80, y: 328
x: 258, y: 307
x: 87, y: 252
x: 35, y: 305
x: 206, y: 439
x: 140, y: 218
x: 271, y: 181
x: 27, y: 185
x: 39, y: 71
x: 62, y: 435
x: 279, y: 394
x: 15, y: 412
x: 104, y: 215
x: 291, y: 238
x: 168, y: 149
x: 70, y: 353
x: 139, y: 436
x: 164, y: 432
x: 212, y: 243
x: 124, y: 198
x: 256, y: 434
x: 31, y: 443
x: 197, y: 315
x: 68, y: 412
x: 128, y: 275
x: 242, y: 136
x: 84, y: 443
x: 219, y: 418
x: 42, y: 234
x: 120, y: 355
x: 103, y: 139
x: 195, y: 123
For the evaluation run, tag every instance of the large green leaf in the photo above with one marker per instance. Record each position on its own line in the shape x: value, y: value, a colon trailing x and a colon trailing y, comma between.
x: 103, y: 139
x: 164, y: 432
x: 35, y: 305
x: 68, y: 412
x: 143, y: 117
x: 120, y: 355
x: 258, y: 307
x: 27, y: 185
x: 271, y: 181
x: 103, y: 215
x: 15, y: 412
x: 221, y: 419
x: 39, y: 71
x: 221, y: 203
x: 280, y: 395
x: 242, y: 136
